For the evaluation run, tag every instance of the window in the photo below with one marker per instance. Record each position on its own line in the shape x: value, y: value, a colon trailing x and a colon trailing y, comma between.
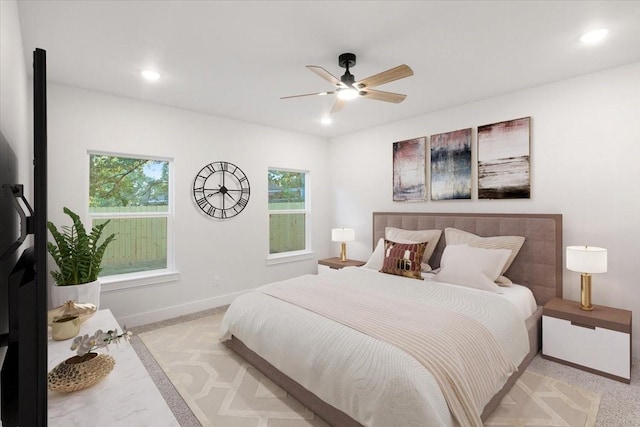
x: 288, y: 212
x: 134, y: 194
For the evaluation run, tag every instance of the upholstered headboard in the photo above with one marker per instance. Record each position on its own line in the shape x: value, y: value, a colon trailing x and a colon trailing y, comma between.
x: 538, y: 264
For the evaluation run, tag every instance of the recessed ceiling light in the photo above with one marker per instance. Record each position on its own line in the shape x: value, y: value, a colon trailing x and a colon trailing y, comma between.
x: 594, y: 36
x: 150, y: 75
x: 326, y: 120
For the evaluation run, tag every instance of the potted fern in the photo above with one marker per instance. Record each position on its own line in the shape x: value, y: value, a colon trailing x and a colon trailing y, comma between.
x: 78, y: 255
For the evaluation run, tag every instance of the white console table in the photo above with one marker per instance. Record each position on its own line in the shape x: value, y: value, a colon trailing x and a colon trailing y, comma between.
x: 127, y: 396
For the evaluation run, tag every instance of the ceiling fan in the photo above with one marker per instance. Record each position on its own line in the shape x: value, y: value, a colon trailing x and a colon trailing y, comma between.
x: 347, y: 88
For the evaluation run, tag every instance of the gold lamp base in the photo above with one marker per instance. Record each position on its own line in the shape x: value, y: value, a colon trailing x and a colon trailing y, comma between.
x: 585, y: 292
x: 343, y: 252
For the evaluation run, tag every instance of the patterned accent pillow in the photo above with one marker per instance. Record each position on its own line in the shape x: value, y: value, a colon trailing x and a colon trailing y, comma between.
x: 403, y: 259
x: 416, y: 236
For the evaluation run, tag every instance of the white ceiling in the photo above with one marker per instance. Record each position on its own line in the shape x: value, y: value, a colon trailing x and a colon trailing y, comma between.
x: 236, y: 59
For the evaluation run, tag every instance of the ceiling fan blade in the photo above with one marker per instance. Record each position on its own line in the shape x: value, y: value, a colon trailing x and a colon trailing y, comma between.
x: 326, y: 75
x: 396, y: 73
x: 339, y: 105
x: 379, y: 95
x: 308, y: 94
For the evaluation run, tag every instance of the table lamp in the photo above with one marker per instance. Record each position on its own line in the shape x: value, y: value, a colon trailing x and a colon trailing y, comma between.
x: 343, y: 235
x: 586, y: 260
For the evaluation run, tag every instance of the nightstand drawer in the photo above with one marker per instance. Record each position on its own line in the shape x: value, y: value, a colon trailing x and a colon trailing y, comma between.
x: 596, y: 348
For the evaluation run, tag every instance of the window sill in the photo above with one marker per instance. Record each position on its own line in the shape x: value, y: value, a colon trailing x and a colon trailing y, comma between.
x: 134, y: 280
x: 289, y: 257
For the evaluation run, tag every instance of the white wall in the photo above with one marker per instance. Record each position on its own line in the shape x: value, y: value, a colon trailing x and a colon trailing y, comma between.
x: 15, y: 98
x: 585, y: 165
x: 234, y: 250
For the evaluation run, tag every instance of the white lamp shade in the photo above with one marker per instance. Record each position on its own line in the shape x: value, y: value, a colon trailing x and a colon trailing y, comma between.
x: 343, y: 235
x: 587, y: 259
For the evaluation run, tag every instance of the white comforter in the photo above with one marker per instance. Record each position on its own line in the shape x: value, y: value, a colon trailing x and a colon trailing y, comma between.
x: 374, y: 382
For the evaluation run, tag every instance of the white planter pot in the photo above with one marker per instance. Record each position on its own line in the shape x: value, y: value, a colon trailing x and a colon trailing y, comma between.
x: 85, y: 293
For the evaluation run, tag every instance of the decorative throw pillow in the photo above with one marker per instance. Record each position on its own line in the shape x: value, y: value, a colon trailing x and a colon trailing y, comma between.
x: 376, y: 259
x: 472, y: 267
x: 403, y: 259
x: 503, y: 281
x: 453, y: 236
x: 416, y: 236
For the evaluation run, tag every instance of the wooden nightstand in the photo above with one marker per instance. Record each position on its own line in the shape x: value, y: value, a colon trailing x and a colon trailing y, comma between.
x: 328, y: 264
x: 597, y: 341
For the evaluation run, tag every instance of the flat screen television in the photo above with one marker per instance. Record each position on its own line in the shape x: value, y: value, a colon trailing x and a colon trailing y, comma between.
x: 23, y: 277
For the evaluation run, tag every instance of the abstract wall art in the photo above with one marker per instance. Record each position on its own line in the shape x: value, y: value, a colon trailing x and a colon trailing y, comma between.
x: 409, y: 170
x: 503, y: 160
x: 451, y: 165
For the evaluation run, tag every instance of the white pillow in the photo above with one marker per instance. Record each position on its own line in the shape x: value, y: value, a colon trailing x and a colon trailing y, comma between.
x: 376, y: 260
x: 432, y: 237
x: 472, y: 267
x: 453, y: 236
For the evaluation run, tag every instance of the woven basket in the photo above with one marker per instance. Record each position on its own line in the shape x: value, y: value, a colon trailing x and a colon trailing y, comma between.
x: 73, y: 374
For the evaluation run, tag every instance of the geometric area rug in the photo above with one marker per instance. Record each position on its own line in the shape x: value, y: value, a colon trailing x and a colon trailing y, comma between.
x: 536, y: 400
x: 222, y: 389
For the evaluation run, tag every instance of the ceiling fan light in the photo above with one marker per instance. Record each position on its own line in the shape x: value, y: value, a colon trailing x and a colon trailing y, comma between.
x: 347, y: 94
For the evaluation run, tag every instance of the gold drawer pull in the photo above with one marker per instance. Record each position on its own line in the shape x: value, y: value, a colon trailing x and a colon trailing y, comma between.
x: 582, y: 325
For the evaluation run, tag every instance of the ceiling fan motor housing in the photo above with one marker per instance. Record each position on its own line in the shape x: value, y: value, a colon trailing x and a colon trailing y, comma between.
x: 347, y: 60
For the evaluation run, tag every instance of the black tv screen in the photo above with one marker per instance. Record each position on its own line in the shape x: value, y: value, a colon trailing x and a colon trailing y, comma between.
x: 10, y: 227
x: 23, y: 279
x: 10, y: 231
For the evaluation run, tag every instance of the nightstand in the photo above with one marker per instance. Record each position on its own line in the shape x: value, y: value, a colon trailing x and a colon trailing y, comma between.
x: 597, y: 341
x: 329, y: 264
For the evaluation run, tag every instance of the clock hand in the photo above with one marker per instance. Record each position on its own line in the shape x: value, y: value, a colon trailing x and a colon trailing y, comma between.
x: 232, y: 198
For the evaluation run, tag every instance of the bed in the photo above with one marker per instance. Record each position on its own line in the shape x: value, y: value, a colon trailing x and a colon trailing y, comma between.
x: 354, y: 377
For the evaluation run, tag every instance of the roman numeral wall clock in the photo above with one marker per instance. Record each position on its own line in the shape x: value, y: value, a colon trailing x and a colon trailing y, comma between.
x: 221, y: 190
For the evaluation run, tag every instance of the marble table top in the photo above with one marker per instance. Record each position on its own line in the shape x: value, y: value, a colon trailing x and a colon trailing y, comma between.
x: 127, y: 396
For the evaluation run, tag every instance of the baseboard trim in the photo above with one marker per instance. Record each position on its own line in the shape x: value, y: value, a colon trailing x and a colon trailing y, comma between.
x: 178, y: 310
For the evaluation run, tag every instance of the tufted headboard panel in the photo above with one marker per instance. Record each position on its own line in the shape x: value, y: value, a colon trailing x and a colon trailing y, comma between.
x: 538, y: 264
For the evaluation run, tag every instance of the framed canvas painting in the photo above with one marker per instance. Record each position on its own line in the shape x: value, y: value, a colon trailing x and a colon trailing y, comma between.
x: 503, y: 160
x: 409, y: 170
x: 451, y: 165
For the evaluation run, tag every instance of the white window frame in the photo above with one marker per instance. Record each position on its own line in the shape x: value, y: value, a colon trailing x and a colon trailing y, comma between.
x: 305, y: 253
x: 149, y: 277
